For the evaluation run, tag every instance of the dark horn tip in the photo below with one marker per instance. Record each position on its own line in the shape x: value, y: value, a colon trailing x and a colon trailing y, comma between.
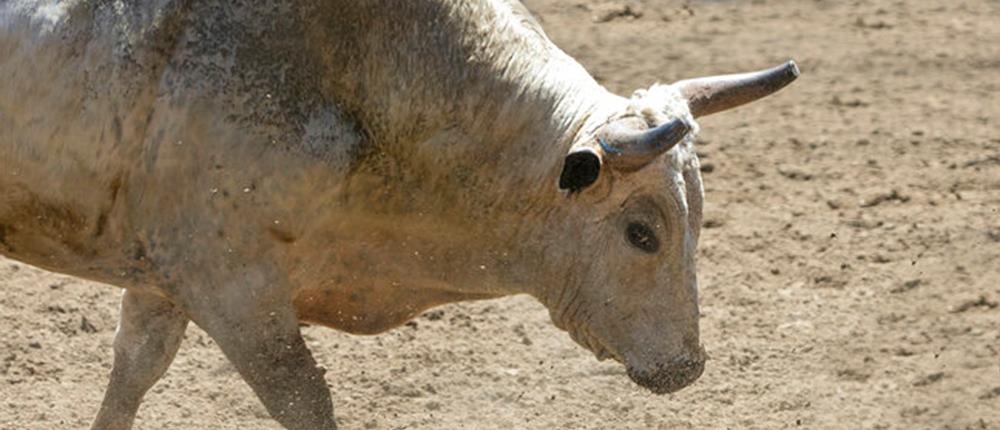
x: 780, y: 76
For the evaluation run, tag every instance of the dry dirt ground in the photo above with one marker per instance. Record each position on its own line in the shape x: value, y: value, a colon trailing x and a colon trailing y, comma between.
x: 850, y: 263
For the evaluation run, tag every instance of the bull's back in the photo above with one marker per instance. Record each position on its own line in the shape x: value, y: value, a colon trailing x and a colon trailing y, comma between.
x: 123, y: 132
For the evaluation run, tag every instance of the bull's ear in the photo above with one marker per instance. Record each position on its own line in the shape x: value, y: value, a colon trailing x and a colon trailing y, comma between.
x: 581, y: 168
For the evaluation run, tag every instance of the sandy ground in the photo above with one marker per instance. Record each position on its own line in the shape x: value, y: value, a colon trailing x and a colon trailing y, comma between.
x: 850, y: 263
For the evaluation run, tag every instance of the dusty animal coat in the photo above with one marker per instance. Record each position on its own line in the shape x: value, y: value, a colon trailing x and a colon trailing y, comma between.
x: 249, y: 165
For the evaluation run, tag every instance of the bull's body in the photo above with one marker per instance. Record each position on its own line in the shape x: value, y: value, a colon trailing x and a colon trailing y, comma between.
x: 137, y: 142
x: 247, y: 166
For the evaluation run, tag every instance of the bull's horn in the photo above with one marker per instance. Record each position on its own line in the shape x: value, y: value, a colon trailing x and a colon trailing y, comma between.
x: 627, y: 150
x: 709, y: 95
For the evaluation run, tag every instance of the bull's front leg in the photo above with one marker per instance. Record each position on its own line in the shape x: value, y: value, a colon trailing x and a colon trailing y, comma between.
x: 149, y: 331
x: 249, y: 313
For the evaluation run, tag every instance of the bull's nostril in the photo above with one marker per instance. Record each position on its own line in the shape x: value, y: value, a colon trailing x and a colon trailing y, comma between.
x: 690, y: 363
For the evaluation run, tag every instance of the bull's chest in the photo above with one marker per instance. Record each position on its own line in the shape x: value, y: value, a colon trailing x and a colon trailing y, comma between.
x: 369, y: 306
x: 367, y: 274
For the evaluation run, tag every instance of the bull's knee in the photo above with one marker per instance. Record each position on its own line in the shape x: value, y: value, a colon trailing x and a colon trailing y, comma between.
x: 281, y: 371
x: 150, y: 330
x: 261, y: 338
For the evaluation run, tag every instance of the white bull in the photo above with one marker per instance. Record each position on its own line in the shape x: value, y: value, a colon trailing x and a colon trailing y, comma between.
x: 350, y: 163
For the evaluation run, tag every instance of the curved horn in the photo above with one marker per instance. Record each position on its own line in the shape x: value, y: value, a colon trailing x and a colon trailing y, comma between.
x: 627, y: 150
x: 709, y: 95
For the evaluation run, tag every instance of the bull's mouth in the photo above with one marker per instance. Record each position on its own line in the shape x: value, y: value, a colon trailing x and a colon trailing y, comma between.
x: 663, y: 378
x: 585, y: 338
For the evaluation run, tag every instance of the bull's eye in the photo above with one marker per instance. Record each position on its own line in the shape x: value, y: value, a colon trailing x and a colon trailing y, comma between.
x: 642, y: 237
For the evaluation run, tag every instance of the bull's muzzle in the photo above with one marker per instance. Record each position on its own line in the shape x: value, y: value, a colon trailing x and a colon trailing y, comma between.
x: 671, y: 376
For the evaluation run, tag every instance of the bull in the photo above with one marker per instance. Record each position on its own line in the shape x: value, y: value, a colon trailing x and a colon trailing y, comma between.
x: 250, y: 166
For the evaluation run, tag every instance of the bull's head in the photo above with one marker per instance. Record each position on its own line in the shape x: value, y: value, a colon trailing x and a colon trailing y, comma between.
x: 634, y: 187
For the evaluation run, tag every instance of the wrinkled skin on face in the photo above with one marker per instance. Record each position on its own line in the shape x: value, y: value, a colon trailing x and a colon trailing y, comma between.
x: 632, y: 291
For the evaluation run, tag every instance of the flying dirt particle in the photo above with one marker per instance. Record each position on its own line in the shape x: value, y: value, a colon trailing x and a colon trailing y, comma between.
x: 829, y: 281
x: 880, y: 198
x: 907, y: 286
x: 874, y: 25
x: 929, y: 379
x: 853, y: 375
x: 86, y: 326
x: 434, y: 315
x: 994, y: 234
x: 992, y: 159
x: 991, y: 394
x: 913, y: 411
x: 853, y: 103
x: 712, y: 223
x: 796, y: 174
x: 981, y: 302
x: 608, y: 13
x: 903, y: 352
x: 881, y: 259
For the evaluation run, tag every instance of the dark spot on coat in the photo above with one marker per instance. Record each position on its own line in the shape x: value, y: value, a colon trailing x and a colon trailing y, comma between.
x: 56, y: 220
x: 116, y: 130
x: 139, y: 252
x: 4, y: 230
x: 114, y: 187
x: 102, y: 221
x: 102, y: 218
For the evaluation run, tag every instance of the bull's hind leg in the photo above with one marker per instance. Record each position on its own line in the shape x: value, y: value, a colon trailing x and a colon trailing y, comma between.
x: 149, y: 331
x: 250, y: 316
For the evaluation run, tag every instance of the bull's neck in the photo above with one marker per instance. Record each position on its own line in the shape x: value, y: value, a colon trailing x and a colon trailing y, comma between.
x: 419, y: 74
x: 475, y: 104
